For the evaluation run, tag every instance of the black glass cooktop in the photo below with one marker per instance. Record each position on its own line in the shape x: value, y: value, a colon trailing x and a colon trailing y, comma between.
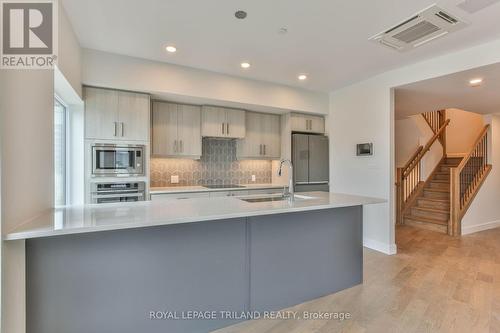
x: 223, y: 186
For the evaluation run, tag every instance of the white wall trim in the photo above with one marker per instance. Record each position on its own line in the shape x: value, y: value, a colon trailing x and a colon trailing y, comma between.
x: 385, y: 248
x: 466, y: 230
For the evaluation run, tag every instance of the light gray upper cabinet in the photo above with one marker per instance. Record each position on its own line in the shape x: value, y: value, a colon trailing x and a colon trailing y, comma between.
x: 116, y: 115
x: 133, y: 116
x: 307, y: 124
x: 263, y: 138
x: 219, y: 122
x: 176, y: 130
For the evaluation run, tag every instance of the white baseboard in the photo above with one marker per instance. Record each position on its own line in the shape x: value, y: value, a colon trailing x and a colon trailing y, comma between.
x: 389, y: 249
x: 466, y: 230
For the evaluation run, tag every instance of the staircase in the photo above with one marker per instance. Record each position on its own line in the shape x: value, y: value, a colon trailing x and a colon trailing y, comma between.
x: 440, y: 202
x: 431, y: 208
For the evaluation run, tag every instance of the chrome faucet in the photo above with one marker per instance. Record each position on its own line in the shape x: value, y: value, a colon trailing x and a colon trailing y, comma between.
x: 290, y: 192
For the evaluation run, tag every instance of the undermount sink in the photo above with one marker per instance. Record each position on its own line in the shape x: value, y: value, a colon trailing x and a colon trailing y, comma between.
x: 275, y: 198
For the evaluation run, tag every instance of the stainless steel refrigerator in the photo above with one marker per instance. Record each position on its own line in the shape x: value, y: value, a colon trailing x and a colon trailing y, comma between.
x: 310, y: 162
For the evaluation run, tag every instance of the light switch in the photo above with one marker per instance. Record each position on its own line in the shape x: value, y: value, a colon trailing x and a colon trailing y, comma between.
x: 174, y: 179
x: 253, y: 178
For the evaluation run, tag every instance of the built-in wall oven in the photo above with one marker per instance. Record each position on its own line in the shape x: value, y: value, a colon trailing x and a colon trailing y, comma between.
x: 117, y: 192
x: 117, y: 160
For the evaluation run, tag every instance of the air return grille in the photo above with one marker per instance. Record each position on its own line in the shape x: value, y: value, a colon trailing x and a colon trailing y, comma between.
x: 419, y: 30
x: 427, y: 25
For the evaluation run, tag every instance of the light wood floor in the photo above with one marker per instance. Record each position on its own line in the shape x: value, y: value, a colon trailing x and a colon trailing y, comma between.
x: 434, y: 284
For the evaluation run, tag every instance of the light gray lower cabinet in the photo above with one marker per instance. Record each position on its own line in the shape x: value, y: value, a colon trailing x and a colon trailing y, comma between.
x: 235, y: 193
x: 176, y: 130
x: 263, y: 138
x: 179, y: 196
x: 266, y: 191
x: 214, y: 194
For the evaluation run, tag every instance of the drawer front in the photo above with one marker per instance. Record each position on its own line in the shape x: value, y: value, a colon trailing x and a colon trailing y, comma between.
x: 266, y: 191
x: 179, y: 196
x: 233, y: 193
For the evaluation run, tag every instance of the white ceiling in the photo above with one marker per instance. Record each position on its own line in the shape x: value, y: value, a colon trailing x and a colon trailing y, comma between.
x: 452, y: 91
x: 327, y: 39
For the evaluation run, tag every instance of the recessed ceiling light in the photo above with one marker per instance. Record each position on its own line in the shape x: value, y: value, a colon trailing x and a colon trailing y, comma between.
x: 476, y: 82
x: 245, y: 65
x: 171, y: 48
x: 240, y: 14
x: 302, y: 77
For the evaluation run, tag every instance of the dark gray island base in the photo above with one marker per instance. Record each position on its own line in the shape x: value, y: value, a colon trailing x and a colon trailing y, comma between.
x: 111, y: 281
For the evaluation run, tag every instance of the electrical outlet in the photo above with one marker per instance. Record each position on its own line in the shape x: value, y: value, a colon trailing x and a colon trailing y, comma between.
x: 174, y: 179
x: 253, y: 178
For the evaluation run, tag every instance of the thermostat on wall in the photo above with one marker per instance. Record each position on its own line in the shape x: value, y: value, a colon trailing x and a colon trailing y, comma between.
x: 364, y: 149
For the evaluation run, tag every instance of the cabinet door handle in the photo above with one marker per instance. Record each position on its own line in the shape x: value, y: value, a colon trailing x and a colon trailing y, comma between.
x: 265, y: 146
x: 175, y: 146
x: 227, y: 128
x: 123, y: 128
x: 222, y: 128
x: 182, y: 147
x: 115, y: 124
x: 260, y: 149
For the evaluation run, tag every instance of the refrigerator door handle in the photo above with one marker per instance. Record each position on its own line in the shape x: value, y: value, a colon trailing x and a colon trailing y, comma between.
x: 318, y: 183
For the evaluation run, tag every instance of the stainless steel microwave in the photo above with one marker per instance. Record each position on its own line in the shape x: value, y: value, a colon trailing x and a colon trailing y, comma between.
x: 117, y: 160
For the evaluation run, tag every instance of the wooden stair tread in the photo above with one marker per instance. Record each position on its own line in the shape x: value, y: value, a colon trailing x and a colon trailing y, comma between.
x: 425, y: 220
x: 443, y: 181
x: 436, y: 189
x: 434, y: 199
x: 432, y: 210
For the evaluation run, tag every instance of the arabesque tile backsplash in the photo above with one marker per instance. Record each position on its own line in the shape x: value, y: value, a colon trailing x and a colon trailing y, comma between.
x: 218, y: 165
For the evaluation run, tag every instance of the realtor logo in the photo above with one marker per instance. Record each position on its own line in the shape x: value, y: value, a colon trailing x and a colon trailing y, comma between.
x: 29, y: 38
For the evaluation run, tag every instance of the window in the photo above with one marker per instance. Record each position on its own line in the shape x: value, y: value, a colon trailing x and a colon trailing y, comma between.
x: 59, y: 152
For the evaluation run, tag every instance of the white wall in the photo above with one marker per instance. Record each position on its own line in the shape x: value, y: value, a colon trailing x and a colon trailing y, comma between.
x: 411, y: 133
x: 365, y: 112
x: 462, y: 131
x: 27, y: 183
x: 27, y: 174
x: 408, y: 138
x: 484, y: 212
x: 178, y: 82
x: 70, y: 53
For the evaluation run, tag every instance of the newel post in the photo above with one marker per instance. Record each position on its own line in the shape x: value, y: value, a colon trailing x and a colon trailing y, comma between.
x: 399, y: 195
x: 454, y: 225
x: 443, y: 135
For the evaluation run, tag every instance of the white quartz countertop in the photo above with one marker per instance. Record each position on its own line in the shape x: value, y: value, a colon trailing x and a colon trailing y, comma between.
x: 188, y: 189
x: 117, y: 216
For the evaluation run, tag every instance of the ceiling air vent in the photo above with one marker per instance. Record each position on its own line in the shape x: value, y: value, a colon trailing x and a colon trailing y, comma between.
x: 427, y: 25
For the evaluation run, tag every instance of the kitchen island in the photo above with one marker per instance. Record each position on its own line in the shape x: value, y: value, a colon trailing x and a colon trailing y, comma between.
x: 189, y: 265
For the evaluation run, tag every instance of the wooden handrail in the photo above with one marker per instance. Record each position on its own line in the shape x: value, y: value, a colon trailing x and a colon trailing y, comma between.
x: 415, y: 154
x: 435, y: 137
x: 420, y: 154
x: 469, y: 154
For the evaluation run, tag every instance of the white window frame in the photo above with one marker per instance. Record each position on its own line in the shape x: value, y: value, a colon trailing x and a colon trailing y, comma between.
x: 66, y: 149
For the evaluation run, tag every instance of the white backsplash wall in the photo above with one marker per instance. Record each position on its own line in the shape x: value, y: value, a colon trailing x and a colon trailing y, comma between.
x: 218, y: 165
